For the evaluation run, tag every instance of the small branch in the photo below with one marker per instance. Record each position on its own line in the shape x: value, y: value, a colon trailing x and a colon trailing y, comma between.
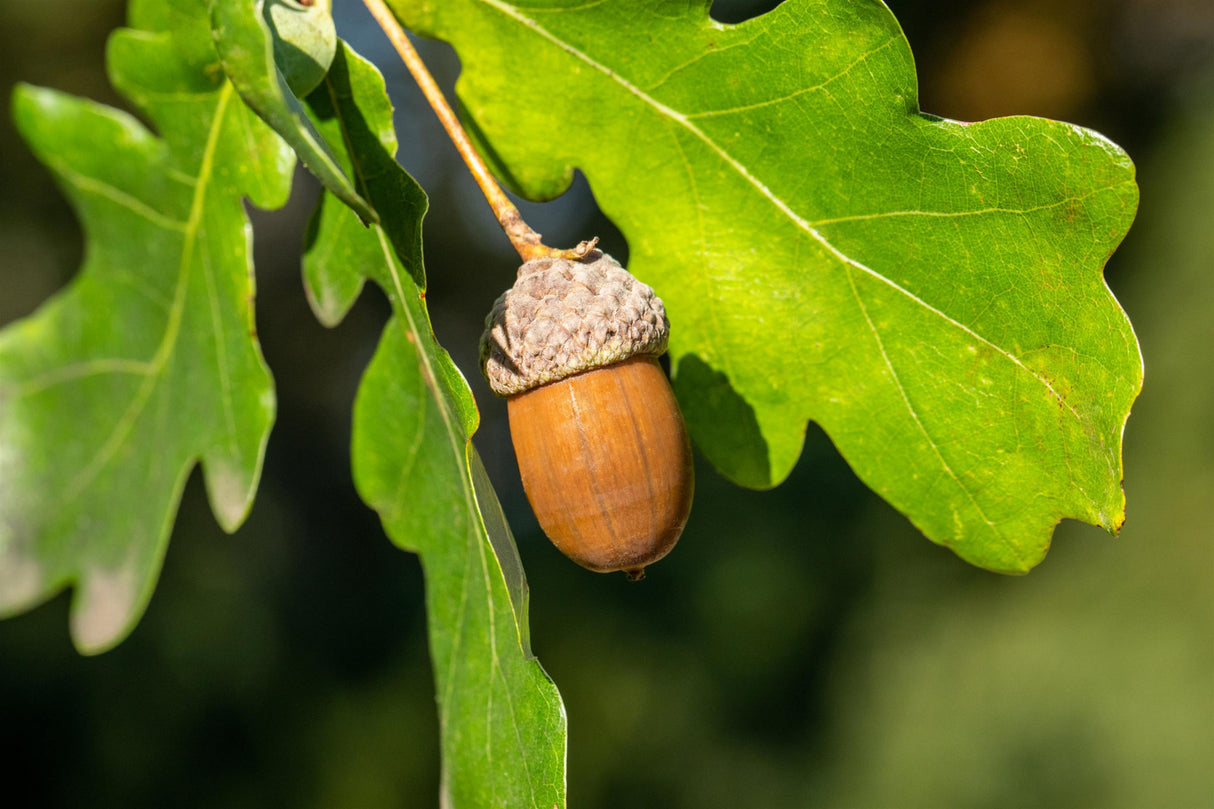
x: 525, y: 240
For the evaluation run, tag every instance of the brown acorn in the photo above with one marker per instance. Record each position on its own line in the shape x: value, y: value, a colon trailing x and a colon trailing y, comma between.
x: 601, y: 445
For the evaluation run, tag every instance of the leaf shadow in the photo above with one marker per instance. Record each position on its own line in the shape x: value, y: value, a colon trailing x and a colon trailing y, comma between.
x: 395, y: 195
x: 722, y: 422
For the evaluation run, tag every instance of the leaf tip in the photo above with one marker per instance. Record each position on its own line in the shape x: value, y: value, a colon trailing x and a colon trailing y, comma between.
x: 25, y: 97
x: 232, y: 483
x: 105, y: 608
x: 22, y: 578
x: 20, y: 91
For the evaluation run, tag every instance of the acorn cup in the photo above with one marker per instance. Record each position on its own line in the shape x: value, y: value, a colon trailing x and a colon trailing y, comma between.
x: 602, y: 448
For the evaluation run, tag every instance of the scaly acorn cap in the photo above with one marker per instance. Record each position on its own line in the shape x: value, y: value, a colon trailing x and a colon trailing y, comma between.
x: 564, y: 317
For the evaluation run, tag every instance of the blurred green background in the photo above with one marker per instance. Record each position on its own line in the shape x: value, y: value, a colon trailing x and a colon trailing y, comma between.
x: 803, y: 647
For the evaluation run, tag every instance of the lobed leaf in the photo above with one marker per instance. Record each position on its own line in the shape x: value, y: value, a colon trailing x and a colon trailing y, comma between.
x: 928, y: 291
x: 501, y: 719
x: 148, y: 361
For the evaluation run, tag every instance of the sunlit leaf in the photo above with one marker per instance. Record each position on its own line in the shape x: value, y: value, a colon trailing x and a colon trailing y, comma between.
x: 148, y: 361
x: 927, y: 291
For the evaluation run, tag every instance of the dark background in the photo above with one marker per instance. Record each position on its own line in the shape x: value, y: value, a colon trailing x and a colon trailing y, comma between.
x: 802, y: 647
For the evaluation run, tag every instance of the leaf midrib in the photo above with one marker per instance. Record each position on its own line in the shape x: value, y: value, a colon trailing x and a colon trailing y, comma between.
x: 164, y: 350
x: 480, y: 537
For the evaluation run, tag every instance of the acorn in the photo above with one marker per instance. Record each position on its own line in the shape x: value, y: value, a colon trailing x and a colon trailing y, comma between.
x: 602, y: 448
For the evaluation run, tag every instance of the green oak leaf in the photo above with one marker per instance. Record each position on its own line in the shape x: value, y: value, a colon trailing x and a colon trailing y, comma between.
x: 501, y: 718
x: 305, y: 41
x: 928, y: 291
x: 247, y: 48
x: 148, y: 361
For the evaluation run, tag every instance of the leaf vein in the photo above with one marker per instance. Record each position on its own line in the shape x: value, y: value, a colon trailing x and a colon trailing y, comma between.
x: 407, y: 463
x: 822, y: 85
x: 910, y: 408
x: 221, y: 354
x: 91, y: 185
x: 959, y: 214
x: 699, y: 57
x: 79, y: 370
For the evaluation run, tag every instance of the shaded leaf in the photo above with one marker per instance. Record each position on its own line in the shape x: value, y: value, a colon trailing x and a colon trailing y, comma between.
x: 148, y: 361
x: 930, y: 292
x: 501, y: 718
x: 247, y: 49
x: 305, y: 41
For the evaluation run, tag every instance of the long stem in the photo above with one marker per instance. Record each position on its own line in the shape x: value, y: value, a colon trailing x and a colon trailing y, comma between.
x: 525, y: 240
